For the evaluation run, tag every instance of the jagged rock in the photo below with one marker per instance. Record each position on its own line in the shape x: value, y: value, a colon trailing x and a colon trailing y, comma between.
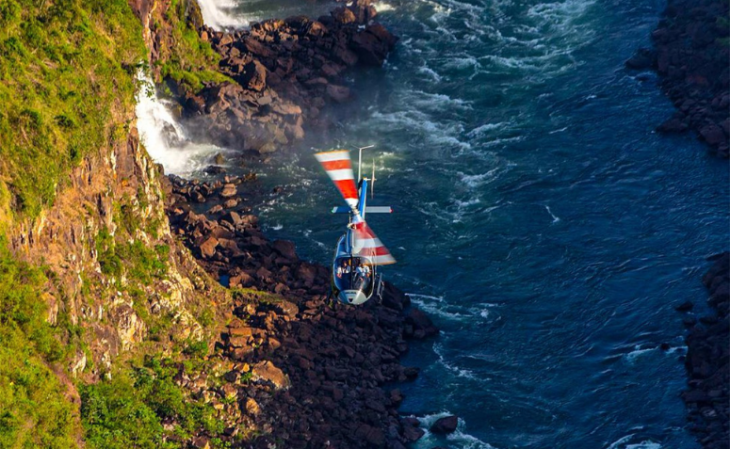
x: 252, y: 407
x: 254, y: 76
x: 691, y: 59
x: 208, y: 247
x: 201, y: 443
x: 286, y: 249
x: 307, y: 355
x: 444, y: 425
x: 267, y: 371
x: 229, y: 190
x: 340, y: 94
x: 422, y: 324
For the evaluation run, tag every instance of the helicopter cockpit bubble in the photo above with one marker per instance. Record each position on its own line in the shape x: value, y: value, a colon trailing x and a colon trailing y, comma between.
x: 353, y: 279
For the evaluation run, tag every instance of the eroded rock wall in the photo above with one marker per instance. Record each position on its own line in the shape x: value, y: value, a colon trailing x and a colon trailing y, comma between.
x: 113, y: 200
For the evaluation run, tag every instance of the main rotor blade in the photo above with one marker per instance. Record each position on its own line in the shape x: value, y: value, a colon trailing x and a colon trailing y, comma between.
x: 338, y: 166
x: 369, y: 245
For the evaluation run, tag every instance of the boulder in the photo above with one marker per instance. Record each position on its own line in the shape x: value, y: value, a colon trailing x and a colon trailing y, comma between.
x: 268, y: 372
x: 422, y: 324
x: 252, y: 407
x: 254, y: 76
x: 208, y: 247
x: 339, y: 94
x: 344, y: 16
x: 713, y: 135
x: 445, y: 425
x: 228, y: 191
x: 286, y: 249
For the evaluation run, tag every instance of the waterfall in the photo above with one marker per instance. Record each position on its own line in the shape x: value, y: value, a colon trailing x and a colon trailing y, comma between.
x: 164, y: 138
x: 219, y: 14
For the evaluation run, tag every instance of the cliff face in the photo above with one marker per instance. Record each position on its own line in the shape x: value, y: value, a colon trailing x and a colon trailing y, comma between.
x: 90, y: 275
x: 104, y: 235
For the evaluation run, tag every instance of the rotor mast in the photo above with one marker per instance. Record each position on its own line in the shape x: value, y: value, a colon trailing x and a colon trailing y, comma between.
x: 359, y: 161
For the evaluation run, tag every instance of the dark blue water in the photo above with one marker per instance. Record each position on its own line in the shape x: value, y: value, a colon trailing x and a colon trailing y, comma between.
x: 539, y: 219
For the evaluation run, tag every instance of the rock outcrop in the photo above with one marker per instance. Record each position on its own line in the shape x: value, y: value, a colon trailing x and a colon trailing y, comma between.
x: 314, y: 372
x: 444, y: 425
x: 708, y: 361
x: 692, y: 49
x: 285, y: 73
x: 117, y: 194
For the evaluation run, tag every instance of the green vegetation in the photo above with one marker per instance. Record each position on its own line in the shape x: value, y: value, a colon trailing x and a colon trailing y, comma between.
x: 128, y: 411
x: 33, y: 409
x: 66, y: 84
x: 191, y: 61
x: 137, y: 260
x: 67, y: 88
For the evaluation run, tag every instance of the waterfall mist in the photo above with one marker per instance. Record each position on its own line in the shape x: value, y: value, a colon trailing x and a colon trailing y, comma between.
x: 164, y: 137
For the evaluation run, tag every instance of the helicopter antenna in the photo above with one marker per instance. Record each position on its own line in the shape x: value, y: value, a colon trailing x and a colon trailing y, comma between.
x: 372, y: 182
x: 359, y: 161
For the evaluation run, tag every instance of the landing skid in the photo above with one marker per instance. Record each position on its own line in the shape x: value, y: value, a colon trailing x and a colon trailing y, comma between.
x: 378, y: 293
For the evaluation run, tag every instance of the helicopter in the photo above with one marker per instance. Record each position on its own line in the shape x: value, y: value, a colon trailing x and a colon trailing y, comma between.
x: 359, y: 251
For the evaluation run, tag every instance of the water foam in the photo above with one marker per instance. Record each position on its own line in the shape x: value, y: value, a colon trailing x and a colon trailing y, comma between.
x: 218, y: 14
x: 381, y: 7
x: 458, y: 439
x: 623, y: 443
x: 474, y: 181
x: 555, y: 217
x: 164, y: 138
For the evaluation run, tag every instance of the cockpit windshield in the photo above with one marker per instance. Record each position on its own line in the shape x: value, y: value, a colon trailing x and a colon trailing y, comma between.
x: 353, y: 273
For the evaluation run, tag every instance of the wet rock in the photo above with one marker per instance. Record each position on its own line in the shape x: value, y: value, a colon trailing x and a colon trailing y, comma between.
x: 229, y: 190
x: 644, y: 58
x: 309, y: 362
x: 411, y: 430
x: 422, y: 325
x: 445, y: 425
x: 691, y: 58
x: 340, y: 94
x: 214, y: 170
x: 282, y: 71
x: 685, y: 306
x: 707, y: 360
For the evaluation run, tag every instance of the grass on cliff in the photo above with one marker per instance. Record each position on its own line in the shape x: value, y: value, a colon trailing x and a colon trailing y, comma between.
x: 129, y: 410
x: 189, y: 61
x: 34, y: 411
x: 66, y: 88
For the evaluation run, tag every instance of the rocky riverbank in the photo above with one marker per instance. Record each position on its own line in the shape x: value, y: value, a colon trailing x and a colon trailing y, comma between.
x: 708, y: 360
x: 286, y: 72
x: 300, y: 372
x: 690, y: 54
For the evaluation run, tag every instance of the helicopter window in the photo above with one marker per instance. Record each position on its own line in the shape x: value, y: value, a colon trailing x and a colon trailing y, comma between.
x: 353, y: 273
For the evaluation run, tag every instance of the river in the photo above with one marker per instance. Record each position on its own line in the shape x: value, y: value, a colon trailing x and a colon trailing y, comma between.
x: 539, y: 219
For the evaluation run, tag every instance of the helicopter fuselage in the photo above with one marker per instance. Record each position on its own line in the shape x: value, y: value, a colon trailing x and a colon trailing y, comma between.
x: 359, y: 251
x: 354, y: 276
